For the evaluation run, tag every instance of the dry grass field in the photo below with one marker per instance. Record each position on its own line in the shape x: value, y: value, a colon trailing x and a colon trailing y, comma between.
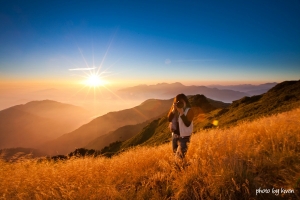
x: 253, y: 160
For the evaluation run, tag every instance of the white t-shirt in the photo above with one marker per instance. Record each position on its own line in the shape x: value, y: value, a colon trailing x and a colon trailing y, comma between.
x: 185, y: 131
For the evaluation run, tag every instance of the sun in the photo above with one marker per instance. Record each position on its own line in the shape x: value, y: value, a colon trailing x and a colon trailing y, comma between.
x: 94, y: 80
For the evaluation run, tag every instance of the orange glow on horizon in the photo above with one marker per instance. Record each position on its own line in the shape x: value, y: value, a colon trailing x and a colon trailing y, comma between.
x: 94, y: 81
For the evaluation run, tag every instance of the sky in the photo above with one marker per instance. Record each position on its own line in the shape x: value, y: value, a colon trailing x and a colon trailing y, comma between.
x: 148, y: 42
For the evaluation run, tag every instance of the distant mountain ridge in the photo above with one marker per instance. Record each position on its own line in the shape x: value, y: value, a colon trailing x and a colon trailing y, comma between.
x: 165, y: 90
x: 247, y: 88
x: 36, y: 122
x: 49, y: 108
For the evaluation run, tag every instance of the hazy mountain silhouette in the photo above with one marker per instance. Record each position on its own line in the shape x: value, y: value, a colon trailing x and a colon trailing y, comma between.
x: 19, y: 96
x: 283, y: 97
x: 104, y: 124
x: 165, y: 90
x: 247, y: 88
x: 34, y: 123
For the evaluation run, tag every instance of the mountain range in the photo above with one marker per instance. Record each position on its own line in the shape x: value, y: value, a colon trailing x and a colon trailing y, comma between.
x: 34, y: 123
x: 127, y: 132
x: 247, y: 88
x: 220, y: 93
x: 283, y: 97
x: 104, y: 124
x: 157, y: 132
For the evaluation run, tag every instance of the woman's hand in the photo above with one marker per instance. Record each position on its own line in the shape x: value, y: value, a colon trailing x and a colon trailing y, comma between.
x: 170, y: 126
x: 180, y: 110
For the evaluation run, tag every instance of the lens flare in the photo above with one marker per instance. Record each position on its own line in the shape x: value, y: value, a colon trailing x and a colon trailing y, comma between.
x: 215, y: 122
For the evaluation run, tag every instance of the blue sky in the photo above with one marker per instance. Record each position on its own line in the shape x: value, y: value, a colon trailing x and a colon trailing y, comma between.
x: 145, y: 42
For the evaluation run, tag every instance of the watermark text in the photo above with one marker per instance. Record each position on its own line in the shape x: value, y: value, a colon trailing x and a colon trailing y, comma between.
x: 275, y: 191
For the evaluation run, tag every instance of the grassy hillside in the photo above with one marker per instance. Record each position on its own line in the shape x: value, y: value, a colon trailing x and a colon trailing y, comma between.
x: 283, y: 97
x: 230, y: 163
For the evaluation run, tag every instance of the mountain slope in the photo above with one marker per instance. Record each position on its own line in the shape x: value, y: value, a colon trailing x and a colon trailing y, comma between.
x: 283, y: 97
x: 157, y: 131
x: 69, y: 115
x: 104, y: 124
x: 120, y: 134
x: 22, y: 129
x: 34, y: 123
x: 126, y: 132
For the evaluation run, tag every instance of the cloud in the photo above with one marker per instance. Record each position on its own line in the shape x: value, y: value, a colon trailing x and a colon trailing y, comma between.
x: 82, y: 69
x: 167, y: 61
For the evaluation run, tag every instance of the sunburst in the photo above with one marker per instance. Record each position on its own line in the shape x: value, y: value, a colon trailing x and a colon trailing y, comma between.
x: 94, y: 80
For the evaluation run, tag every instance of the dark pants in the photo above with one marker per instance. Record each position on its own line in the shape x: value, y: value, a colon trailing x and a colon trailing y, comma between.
x: 179, y: 145
x: 175, y: 140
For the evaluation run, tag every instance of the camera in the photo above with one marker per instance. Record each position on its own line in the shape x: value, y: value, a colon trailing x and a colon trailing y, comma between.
x: 179, y: 104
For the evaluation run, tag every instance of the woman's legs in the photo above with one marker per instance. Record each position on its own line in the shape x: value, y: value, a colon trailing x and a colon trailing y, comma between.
x: 183, y: 146
x: 174, y: 142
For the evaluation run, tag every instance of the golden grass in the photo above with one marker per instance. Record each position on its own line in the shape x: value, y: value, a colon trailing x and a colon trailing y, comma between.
x: 220, y: 164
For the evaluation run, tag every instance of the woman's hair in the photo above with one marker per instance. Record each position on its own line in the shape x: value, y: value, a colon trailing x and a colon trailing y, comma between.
x: 178, y: 98
x: 183, y: 98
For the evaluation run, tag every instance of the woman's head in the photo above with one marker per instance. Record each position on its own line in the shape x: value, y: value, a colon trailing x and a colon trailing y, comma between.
x: 182, y: 98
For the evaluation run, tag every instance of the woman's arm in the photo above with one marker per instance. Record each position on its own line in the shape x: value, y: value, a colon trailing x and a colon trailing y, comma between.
x: 171, y: 116
x: 187, y: 120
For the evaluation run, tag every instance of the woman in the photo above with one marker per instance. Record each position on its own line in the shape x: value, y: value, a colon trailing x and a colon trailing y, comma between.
x: 181, y: 123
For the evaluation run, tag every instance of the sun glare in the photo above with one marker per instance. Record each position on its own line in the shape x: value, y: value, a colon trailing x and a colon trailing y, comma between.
x: 94, y: 80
